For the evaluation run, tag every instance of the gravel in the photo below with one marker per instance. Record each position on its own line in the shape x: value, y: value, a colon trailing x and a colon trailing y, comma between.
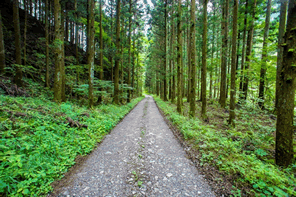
x: 140, y: 157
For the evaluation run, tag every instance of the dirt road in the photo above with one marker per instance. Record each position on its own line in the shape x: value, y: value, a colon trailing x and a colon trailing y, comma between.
x: 140, y: 157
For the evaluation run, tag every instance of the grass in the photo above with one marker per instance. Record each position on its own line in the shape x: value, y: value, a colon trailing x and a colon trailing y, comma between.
x: 245, y: 152
x: 37, y: 144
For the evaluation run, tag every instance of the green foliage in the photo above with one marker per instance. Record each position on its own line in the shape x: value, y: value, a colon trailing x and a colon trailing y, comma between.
x: 37, y: 144
x: 240, y: 153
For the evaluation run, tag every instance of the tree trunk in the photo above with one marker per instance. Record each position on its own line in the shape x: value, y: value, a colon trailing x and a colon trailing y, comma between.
x: 31, y: 7
x: 179, y: 59
x: 133, y: 66
x: 58, y: 43
x: 192, y: 61
x: 286, y: 96
x: 2, y: 49
x: 77, y: 41
x: 129, y: 51
x: 280, y: 49
x: 111, y: 43
x: 204, y: 62
x: 249, y: 51
x: 224, y: 54
x: 40, y: 11
x: 165, y: 54
x: 172, y: 73
x: 35, y: 8
x: 17, y: 33
x: 91, y: 52
x: 188, y: 56
x: 243, y: 51
x: 233, y: 64
x: 25, y: 32
x: 63, y: 74
x: 264, y: 56
x: 117, y: 59
x: 67, y: 25
x: 101, y: 66
x: 47, y: 45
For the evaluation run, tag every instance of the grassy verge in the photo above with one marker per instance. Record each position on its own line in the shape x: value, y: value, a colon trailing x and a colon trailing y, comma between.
x: 38, y: 145
x: 243, y: 152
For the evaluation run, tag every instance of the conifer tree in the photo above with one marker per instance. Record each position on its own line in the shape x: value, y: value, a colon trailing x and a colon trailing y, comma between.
x: 17, y: 34
x: 286, y: 93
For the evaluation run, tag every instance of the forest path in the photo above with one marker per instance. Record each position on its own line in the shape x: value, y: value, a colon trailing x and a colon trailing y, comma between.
x: 140, y: 157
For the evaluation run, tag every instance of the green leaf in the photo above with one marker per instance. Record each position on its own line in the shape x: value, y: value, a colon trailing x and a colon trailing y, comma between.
x: 26, y: 191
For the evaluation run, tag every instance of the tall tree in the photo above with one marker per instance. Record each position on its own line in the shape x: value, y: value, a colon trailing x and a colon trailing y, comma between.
x: 173, y: 89
x: 2, y: 49
x: 192, y: 61
x: 233, y: 63
x: 280, y: 49
x: 204, y: 62
x: 25, y: 32
x: 165, y: 53
x: 129, y: 50
x: 264, y: 56
x: 286, y: 96
x: 63, y: 72
x: 17, y: 33
x: 59, y: 50
x: 224, y: 53
x: 243, y: 50
x: 101, y: 51
x: 77, y: 41
x: 117, y: 58
x: 179, y: 58
x: 249, y: 49
x: 46, y: 46
x: 91, y: 51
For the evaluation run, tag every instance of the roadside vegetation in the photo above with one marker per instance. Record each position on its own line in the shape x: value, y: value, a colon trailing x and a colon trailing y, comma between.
x: 40, y: 139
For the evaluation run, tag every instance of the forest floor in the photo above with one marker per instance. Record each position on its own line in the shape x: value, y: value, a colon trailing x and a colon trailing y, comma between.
x: 140, y: 157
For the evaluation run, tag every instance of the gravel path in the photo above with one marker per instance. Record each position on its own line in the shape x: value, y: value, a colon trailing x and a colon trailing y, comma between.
x: 140, y: 157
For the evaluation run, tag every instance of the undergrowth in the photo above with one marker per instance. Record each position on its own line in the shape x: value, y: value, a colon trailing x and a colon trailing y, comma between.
x: 242, y: 153
x: 38, y: 145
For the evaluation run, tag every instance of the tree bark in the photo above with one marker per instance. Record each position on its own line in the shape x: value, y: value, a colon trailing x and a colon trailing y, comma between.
x: 2, y: 49
x: 249, y: 51
x: 243, y: 51
x: 286, y: 96
x: 192, y: 61
x: 25, y: 32
x: 63, y: 55
x: 17, y: 33
x: 58, y: 44
x: 233, y: 64
x: 77, y: 41
x: 172, y: 56
x: 224, y: 54
x: 204, y: 62
x: 91, y: 52
x: 165, y: 54
x: 47, y: 46
x: 264, y: 56
x: 280, y: 49
x: 188, y: 54
x: 101, y: 66
x: 117, y: 58
x: 129, y: 51
x: 179, y: 59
